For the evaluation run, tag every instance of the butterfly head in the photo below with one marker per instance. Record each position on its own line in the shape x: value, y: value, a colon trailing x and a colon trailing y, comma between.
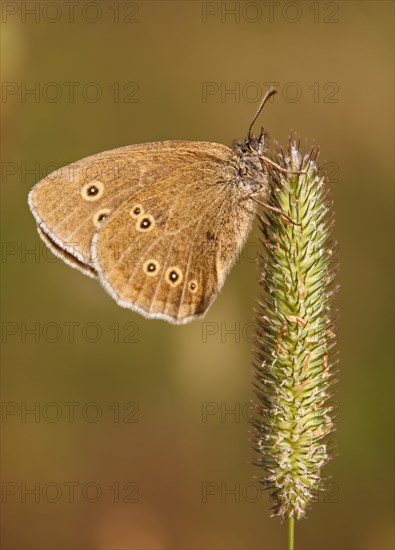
x: 252, y: 145
x: 251, y: 155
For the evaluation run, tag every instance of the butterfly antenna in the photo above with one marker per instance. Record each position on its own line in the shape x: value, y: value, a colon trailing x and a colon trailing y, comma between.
x: 268, y: 94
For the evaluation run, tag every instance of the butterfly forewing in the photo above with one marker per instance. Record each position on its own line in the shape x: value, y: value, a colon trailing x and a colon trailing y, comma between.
x: 159, y: 223
x: 71, y: 203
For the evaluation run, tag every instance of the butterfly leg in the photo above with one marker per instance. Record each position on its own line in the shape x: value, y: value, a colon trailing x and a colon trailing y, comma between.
x: 274, y: 209
x: 280, y: 168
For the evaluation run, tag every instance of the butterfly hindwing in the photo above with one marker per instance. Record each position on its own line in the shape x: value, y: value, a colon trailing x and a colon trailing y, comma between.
x: 166, y: 254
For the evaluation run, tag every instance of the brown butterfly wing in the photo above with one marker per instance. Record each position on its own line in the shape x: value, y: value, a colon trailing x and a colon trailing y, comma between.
x: 71, y: 204
x: 66, y: 256
x: 165, y: 251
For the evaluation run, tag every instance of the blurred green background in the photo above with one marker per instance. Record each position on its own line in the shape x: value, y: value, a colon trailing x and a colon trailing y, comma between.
x: 134, y: 410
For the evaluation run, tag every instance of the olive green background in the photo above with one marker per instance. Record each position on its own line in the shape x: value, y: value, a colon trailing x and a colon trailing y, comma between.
x: 180, y: 445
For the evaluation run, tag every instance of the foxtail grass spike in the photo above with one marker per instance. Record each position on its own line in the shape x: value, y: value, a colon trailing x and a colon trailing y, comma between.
x: 294, y: 359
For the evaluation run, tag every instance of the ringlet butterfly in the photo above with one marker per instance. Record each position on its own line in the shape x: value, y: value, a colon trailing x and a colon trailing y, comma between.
x: 159, y: 224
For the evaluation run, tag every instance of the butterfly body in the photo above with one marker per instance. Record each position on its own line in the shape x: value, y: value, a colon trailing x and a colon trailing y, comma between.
x: 159, y: 224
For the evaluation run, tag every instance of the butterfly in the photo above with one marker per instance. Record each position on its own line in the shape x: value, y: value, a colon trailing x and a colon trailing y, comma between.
x: 158, y: 224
